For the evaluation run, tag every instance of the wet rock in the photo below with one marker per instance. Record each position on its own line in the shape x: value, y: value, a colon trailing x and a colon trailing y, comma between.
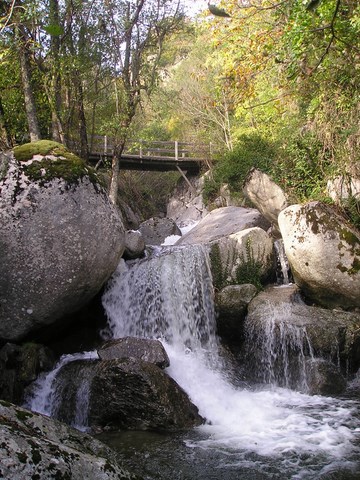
x: 283, y: 329
x: 37, y: 447
x: 19, y: 366
x: 134, y: 245
x: 148, y: 350
x: 132, y: 394
x: 324, y: 254
x: 61, y: 238
x: 231, y: 305
x: 324, y: 378
x: 155, y: 230
x: 123, y: 394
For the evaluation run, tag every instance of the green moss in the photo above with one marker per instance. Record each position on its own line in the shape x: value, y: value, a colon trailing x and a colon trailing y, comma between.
x: 355, y: 267
x: 22, y: 416
x: 65, y: 165
x: 23, y: 153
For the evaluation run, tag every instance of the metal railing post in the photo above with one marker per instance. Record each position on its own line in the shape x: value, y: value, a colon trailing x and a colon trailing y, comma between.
x: 176, y: 150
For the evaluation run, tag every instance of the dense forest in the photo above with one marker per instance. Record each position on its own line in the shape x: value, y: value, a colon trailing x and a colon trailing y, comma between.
x: 273, y: 84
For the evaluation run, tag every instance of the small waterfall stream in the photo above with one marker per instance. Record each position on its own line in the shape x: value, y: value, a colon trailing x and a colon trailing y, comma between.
x: 250, y: 433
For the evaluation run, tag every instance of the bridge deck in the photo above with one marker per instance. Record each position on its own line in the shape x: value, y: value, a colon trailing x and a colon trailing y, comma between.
x: 158, y: 156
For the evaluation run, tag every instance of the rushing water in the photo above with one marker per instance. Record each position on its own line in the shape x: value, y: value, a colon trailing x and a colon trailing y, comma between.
x: 262, y: 433
x: 46, y: 393
x: 257, y: 433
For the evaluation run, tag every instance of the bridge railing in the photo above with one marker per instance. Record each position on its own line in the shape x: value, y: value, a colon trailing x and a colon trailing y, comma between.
x: 104, y: 146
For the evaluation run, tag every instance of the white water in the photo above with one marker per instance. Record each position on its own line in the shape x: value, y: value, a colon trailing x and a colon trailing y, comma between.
x: 170, y: 297
x: 43, y: 396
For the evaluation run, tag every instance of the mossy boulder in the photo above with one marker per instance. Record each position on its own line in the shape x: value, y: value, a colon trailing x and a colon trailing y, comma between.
x: 323, y: 250
x: 36, y: 447
x: 60, y: 237
x: 45, y: 160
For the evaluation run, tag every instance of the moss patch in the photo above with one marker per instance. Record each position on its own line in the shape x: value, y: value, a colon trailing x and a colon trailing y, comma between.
x: 58, y: 162
x: 23, y: 153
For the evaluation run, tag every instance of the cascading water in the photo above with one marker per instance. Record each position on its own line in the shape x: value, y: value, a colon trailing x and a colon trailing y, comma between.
x: 251, y: 434
x: 46, y: 394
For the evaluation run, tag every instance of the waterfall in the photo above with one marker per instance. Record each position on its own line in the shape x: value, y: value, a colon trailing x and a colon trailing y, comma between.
x: 279, y: 348
x: 46, y: 394
x: 283, y: 268
x: 255, y: 430
x: 169, y: 296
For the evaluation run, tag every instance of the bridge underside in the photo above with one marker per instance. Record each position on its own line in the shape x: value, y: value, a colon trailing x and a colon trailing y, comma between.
x: 162, y: 164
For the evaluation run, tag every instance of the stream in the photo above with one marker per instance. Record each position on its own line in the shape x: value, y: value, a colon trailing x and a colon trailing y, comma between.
x: 251, y: 432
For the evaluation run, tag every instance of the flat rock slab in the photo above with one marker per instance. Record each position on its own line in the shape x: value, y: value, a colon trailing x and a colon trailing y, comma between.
x: 223, y: 222
x: 145, y: 349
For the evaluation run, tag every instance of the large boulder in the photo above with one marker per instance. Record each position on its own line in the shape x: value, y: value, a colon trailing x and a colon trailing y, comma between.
x: 134, y: 245
x: 37, y: 447
x: 60, y: 237
x: 146, y: 349
x: 284, y: 335
x: 186, y: 203
x: 324, y: 253
x: 126, y: 393
x: 265, y: 194
x: 156, y: 229
x: 342, y: 187
x: 246, y: 256
x: 223, y: 222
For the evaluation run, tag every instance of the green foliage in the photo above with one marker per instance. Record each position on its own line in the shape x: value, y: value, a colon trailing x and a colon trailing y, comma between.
x: 25, y: 152
x: 250, y: 151
x: 220, y: 272
x: 65, y: 165
x: 249, y: 269
x: 352, y: 209
x: 299, y: 170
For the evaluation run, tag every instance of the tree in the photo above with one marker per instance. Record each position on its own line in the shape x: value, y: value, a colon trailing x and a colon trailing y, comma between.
x: 139, y: 29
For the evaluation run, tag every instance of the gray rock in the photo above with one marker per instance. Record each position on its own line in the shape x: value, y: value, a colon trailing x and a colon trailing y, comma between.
x: 341, y: 188
x: 324, y: 378
x: 133, y: 394
x: 284, y: 333
x: 60, y: 240
x: 34, y: 446
x: 324, y: 254
x: 231, y: 305
x: 186, y: 204
x: 19, y: 366
x: 223, y: 222
x: 145, y: 349
x: 243, y: 254
x: 155, y: 230
x: 266, y: 195
x: 124, y: 394
x: 134, y: 245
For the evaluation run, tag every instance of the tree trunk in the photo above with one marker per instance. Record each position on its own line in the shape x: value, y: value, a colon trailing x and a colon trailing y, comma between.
x: 5, y: 137
x: 55, y: 93
x: 30, y: 106
x: 115, y: 171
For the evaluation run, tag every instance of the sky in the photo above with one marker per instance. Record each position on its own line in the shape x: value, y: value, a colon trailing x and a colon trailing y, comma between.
x: 194, y: 6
